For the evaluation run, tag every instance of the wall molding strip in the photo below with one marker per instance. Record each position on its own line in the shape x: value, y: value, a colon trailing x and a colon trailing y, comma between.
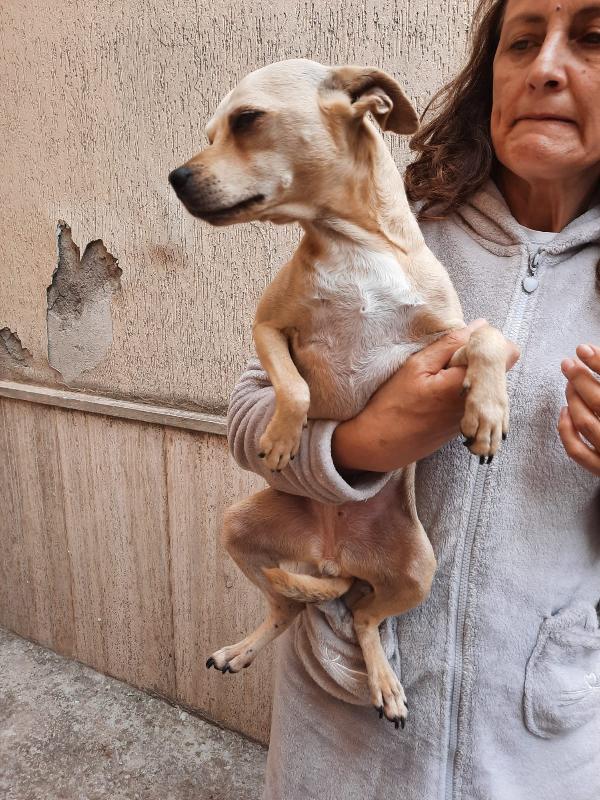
x: 126, y: 409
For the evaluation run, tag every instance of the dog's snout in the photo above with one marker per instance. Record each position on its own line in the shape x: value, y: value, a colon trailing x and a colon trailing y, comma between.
x: 178, y: 178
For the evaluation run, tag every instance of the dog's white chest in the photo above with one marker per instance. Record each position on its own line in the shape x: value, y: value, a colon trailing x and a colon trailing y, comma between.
x: 352, y: 331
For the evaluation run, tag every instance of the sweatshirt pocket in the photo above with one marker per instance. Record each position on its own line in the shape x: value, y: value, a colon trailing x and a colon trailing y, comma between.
x: 562, y: 679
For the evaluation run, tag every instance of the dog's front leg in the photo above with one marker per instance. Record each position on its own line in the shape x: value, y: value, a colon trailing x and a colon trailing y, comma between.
x: 281, y: 439
x: 485, y: 421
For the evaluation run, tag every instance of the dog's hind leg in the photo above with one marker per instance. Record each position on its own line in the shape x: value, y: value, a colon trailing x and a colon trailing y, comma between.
x: 281, y: 613
x: 386, y: 600
x: 259, y: 533
x: 401, y: 582
x: 234, y: 657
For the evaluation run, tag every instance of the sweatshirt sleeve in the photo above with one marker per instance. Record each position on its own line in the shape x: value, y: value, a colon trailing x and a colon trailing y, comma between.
x: 312, y: 473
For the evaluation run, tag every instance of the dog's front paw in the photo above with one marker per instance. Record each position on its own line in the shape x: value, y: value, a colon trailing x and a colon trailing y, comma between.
x: 281, y: 440
x: 485, y: 421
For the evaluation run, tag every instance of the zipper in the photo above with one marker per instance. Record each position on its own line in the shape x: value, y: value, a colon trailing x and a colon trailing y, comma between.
x: 527, y: 285
x: 531, y: 282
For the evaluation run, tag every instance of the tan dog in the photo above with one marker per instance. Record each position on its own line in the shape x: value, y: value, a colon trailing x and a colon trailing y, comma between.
x: 362, y: 293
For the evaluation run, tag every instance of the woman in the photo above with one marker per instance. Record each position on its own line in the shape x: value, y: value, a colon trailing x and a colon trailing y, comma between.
x: 501, y: 664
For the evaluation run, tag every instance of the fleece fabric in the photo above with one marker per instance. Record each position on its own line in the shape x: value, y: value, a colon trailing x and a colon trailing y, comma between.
x: 501, y: 664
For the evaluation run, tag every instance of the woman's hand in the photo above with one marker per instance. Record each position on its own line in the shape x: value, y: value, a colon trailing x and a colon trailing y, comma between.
x: 413, y: 413
x: 580, y: 417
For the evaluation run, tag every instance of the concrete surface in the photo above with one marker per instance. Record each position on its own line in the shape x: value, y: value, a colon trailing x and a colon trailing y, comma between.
x: 70, y: 733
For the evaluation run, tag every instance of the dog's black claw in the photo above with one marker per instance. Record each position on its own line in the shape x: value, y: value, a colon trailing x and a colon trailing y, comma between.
x: 210, y: 662
x: 504, y: 436
x: 226, y: 668
x: 468, y: 441
x: 489, y: 461
x: 261, y: 455
x: 482, y: 459
x: 380, y: 709
x: 396, y: 723
x: 402, y: 723
x: 292, y: 458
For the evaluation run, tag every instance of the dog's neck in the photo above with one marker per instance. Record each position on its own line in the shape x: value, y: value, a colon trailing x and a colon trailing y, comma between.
x: 381, y: 219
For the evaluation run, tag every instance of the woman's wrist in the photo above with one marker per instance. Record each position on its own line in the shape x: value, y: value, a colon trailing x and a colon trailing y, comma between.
x: 343, y: 451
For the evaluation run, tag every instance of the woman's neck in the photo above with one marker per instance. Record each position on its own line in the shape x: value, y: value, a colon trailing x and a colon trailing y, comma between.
x: 547, y: 205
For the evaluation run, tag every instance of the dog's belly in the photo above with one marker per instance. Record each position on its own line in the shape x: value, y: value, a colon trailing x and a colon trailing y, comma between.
x: 351, y: 336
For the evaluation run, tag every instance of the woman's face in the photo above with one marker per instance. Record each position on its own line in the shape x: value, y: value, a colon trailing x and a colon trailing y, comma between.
x: 545, y: 120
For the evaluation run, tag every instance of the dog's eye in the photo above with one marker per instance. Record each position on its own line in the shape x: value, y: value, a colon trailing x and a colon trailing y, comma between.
x: 244, y: 120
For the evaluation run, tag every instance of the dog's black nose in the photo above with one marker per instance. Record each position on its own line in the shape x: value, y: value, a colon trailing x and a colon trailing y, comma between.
x: 179, y: 176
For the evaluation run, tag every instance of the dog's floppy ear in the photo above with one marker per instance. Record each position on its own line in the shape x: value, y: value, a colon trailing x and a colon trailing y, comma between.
x: 372, y: 89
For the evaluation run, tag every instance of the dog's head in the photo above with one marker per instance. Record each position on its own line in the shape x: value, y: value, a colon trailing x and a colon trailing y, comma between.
x: 287, y: 138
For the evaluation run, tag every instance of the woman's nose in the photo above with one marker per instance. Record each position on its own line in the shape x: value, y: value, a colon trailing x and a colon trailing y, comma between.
x: 548, y: 70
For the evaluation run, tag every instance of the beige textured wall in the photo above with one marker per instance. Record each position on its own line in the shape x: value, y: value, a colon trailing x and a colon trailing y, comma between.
x: 109, y: 545
x: 101, y: 99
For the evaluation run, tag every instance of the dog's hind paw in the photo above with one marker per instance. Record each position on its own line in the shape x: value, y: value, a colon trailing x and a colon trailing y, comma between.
x: 387, y: 694
x: 231, y: 659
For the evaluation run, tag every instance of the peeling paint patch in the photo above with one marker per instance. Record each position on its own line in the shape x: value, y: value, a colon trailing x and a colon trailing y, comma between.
x: 18, y: 364
x: 11, y: 349
x: 79, y: 316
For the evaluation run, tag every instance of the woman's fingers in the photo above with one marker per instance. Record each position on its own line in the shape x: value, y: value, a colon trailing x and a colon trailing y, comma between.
x: 436, y: 356
x: 583, y: 418
x: 512, y: 354
x: 575, y: 447
x: 590, y: 355
x: 583, y: 381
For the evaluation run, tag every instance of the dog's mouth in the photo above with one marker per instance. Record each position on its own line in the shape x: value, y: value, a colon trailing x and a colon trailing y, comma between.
x: 222, y: 214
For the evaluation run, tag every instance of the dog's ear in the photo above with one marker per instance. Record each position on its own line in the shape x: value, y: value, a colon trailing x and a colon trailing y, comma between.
x: 371, y: 89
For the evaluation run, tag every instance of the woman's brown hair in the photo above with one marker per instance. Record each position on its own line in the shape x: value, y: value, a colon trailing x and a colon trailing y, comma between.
x: 455, y: 151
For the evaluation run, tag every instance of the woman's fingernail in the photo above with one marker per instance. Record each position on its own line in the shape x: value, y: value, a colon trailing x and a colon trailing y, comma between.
x: 567, y: 365
x: 586, y: 350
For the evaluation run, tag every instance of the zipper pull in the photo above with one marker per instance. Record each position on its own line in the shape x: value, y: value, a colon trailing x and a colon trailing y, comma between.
x: 530, y: 281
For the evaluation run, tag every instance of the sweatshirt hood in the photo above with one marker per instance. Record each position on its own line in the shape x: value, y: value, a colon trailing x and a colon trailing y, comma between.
x: 487, y: 218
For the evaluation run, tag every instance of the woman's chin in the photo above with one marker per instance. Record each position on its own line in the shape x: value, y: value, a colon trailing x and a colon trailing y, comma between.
x: 542, y: 156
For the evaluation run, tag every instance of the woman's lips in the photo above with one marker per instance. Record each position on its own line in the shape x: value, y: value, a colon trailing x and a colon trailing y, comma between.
x: 545, y: 118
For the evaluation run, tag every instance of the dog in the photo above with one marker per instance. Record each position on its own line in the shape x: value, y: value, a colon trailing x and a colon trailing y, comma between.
x: 295, y: 142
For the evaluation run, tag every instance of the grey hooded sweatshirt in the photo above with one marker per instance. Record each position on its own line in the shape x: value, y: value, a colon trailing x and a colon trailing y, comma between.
x: 501, y: 664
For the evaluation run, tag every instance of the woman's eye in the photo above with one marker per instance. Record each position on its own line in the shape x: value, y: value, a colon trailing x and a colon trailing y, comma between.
x: 593, y: 38
x: 244, y: 120
x: 520, y: 44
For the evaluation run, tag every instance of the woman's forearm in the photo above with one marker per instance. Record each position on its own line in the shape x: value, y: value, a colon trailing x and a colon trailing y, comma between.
x: 360, y: 444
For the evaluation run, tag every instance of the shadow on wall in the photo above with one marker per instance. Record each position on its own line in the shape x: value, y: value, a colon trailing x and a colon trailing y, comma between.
x: 79, y: 319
